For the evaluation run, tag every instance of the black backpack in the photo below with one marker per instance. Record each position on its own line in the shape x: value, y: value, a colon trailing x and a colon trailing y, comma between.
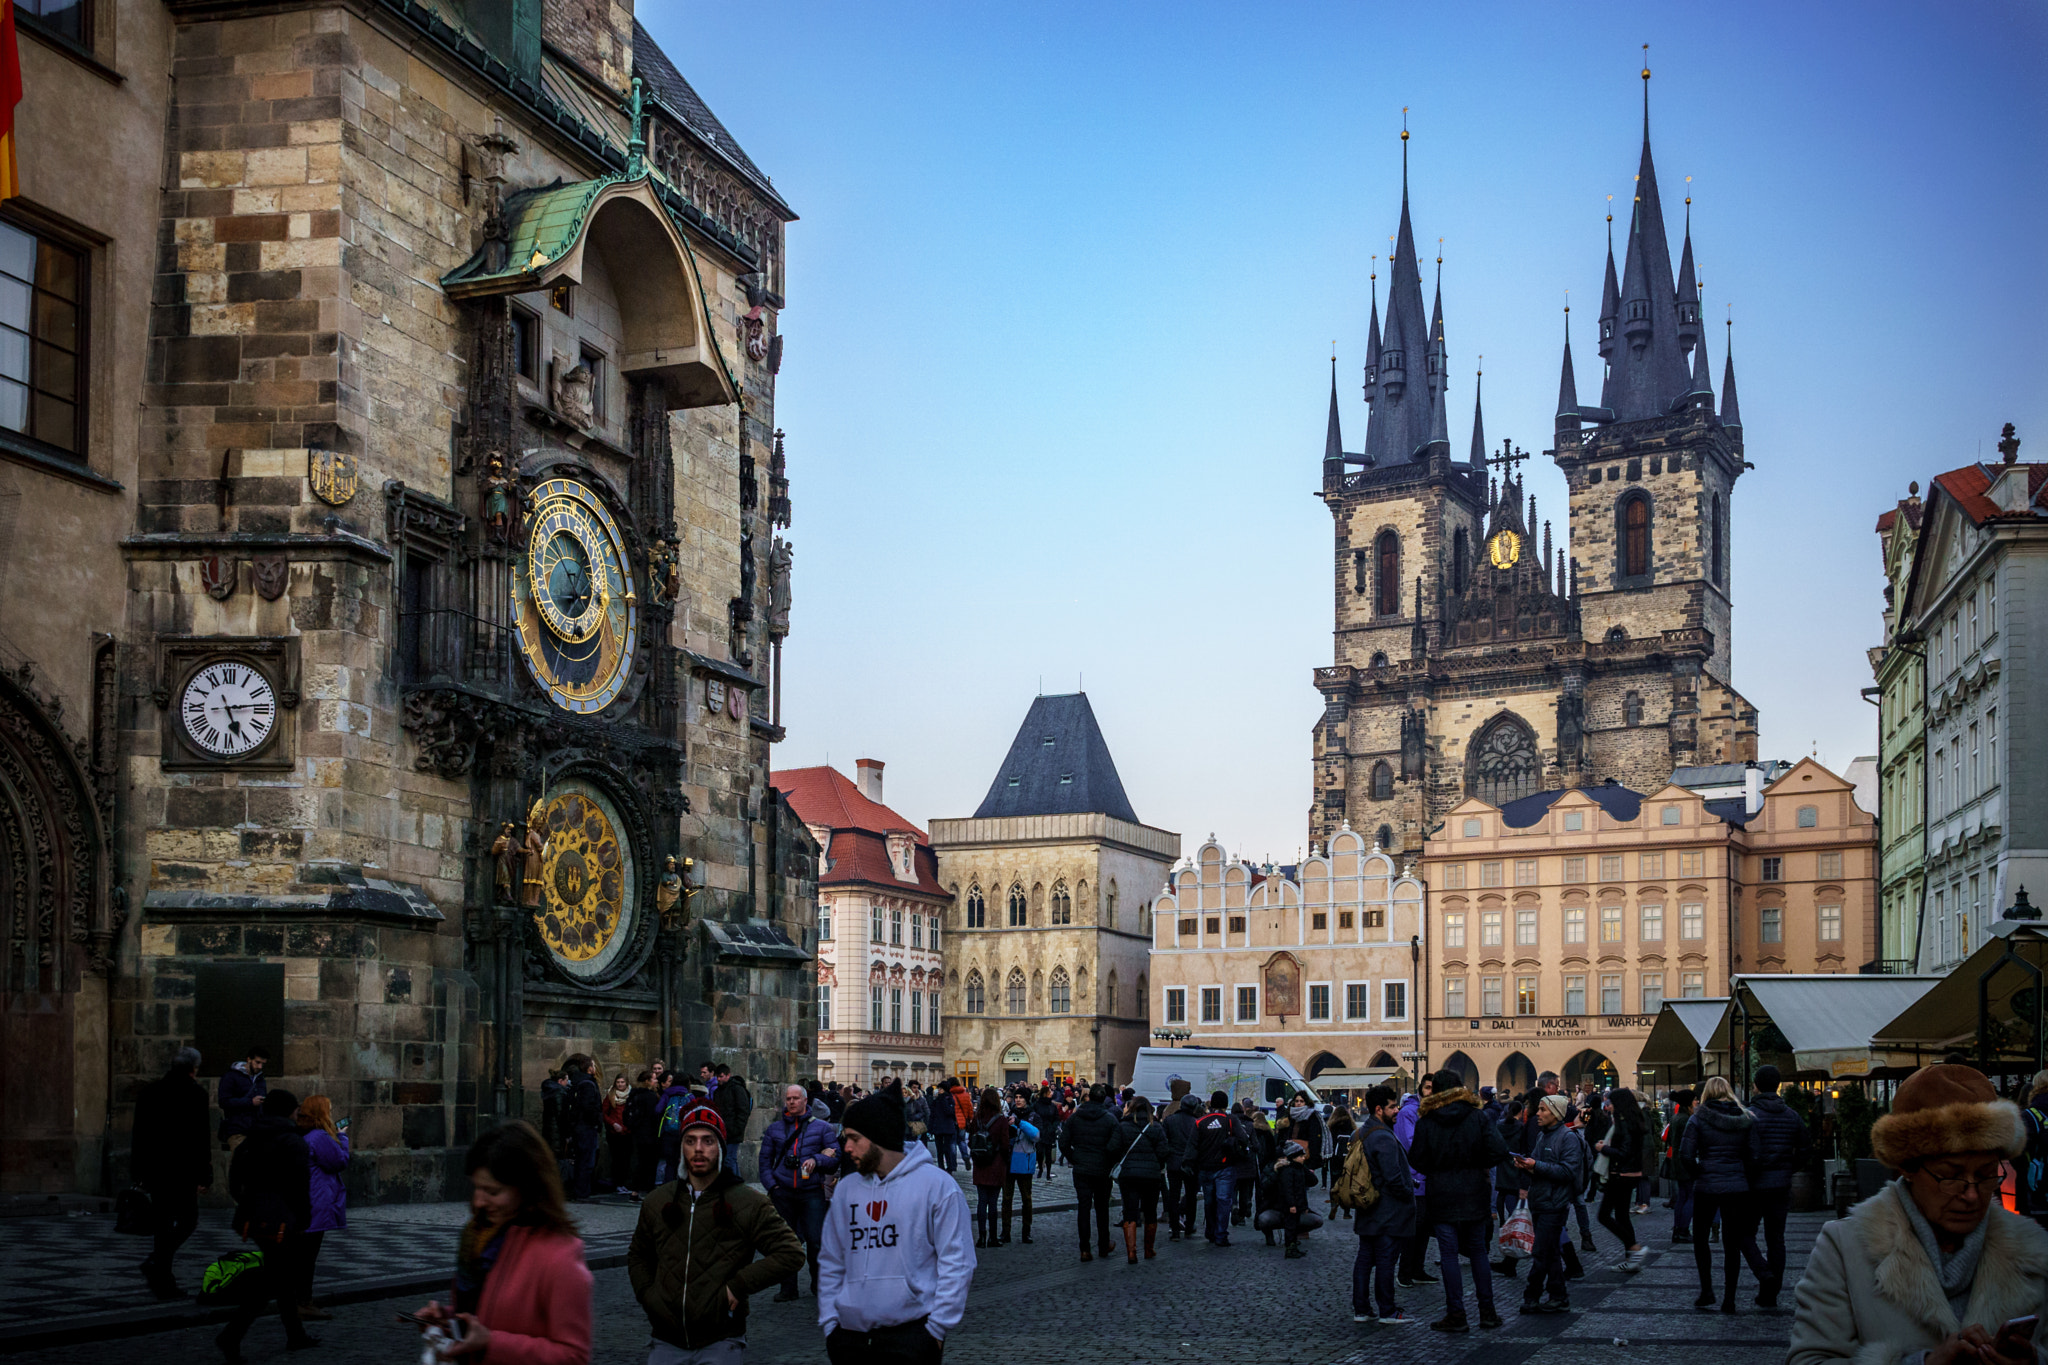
x: 981, y: 1145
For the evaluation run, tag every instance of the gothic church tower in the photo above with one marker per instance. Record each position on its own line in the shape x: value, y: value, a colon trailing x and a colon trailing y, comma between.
x: 1472, y: 659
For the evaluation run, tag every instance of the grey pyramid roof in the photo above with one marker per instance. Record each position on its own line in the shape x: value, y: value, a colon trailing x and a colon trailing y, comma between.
x: 1478, y: 456
x: 1333, y: 440
x: 1567, y: 384
x: 1059, y: 764
x: 1399, y: 428
x: 1731, y: 411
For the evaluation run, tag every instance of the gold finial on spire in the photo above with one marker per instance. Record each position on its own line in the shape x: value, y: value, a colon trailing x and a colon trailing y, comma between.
x: 1439, y: 251
x: 1646, y: 61
x: 1610, y: 208
x: 1688, y: 192
x: 1404, y: 123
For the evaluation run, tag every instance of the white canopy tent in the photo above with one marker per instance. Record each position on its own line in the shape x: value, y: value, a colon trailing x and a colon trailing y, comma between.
x: 1830, y: 1021
x: 1680, y: 1036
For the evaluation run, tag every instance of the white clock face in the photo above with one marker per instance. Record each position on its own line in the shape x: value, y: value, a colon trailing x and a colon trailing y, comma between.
x: 228, y: 708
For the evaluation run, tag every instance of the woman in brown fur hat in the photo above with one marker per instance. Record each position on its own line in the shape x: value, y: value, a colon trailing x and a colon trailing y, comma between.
x: 1932, y: 1263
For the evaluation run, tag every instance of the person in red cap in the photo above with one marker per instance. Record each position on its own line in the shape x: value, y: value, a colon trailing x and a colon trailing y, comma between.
x: 692, y: 1259
x: 1931, y: 1270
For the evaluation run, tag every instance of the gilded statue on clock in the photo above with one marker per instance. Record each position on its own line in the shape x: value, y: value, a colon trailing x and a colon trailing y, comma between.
x: 573, y: 598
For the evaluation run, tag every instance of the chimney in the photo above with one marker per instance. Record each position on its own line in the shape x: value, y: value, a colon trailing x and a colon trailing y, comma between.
x: 869, y: 778
x: 2009, y: 487
x: 1752, y: 789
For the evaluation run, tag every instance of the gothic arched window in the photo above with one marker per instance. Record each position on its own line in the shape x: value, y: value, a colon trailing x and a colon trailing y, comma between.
x: 977, y: 908
x: 1635, y: 537
x: 1387, y: 577
x: 1109, y: 994
x: 977, y: 999
x: 1016, y: 906
x: 1716, y: 527
x: 1013, y: 992
x: 1061, y: 997
x: 1632, y: 709
x: 1461, y: 560
x: 1062, y: 904
x: 1505, y: 765
x: 1379, y: 659
x: 1382, y: 781
x: 1384, y: 840
x: 1617, y: 635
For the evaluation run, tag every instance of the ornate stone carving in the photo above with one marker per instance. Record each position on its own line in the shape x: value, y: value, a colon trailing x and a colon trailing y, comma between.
x: 780, y: 563
x: 272, y: 574
x: 443, y: 725
x: 217, y: 576
x: 572, y: 398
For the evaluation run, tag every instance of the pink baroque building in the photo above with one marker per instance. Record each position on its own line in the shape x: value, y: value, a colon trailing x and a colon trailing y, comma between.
x: 879, y: 902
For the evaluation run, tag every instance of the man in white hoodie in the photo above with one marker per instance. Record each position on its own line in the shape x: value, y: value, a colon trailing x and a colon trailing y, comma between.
x: 898, y: 1253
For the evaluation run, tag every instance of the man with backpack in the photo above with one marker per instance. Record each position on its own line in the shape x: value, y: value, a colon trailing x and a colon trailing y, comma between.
x: 735, y: 1104
x: 1182, y: 1182
x: 678, y: 1099
x: 1221, y: 1141
x: 1375, y: 1184
x: 797, y: 1153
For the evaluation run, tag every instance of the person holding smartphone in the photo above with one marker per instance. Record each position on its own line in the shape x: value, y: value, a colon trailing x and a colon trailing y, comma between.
x: 1931, y: 1270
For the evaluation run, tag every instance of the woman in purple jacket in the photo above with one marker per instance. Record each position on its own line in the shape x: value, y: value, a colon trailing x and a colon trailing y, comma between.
x: 327, y: 1142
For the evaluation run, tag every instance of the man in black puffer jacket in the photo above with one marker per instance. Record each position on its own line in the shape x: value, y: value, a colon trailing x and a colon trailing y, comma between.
x: 1458, y: 1149
x: 1778, y: 1143
x: 1182, y: 1180
x: 1085, y: 1139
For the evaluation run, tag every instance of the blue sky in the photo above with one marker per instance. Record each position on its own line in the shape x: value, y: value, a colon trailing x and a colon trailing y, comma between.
x: 1062, y: 299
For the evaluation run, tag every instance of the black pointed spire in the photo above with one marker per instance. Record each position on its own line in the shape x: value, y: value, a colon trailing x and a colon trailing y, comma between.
x: 1567, y: 382
x: 1731, y: 413
x: 1372, y: 339
x: 1477, y: 459
x: 1647, y: 375
x: 1610, y: 293
x: 1399, y: 428
x: 1702, y: 394
x: 1688, y: 296
x: 1333, y: 443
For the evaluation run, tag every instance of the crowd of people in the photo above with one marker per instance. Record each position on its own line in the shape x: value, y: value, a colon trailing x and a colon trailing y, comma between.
x: 864, y: 1191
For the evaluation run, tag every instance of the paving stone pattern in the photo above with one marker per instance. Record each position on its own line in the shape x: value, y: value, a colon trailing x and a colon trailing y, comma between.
x: 1194, y: 1301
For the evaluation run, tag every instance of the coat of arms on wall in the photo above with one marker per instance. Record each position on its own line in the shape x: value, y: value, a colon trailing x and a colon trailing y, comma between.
x: 334, y: 475
x: 217, y: 576
x: 273, y: 574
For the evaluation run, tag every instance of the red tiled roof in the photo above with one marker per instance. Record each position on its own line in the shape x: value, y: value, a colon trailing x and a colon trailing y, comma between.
x: 1971, y: 484
x: 861, y: 856
x: 857, y: 849
x: 1884, y: 522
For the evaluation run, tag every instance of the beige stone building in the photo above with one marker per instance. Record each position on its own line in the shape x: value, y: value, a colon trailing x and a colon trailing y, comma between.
x: 1319, y: 966
x: 1560, y: 923
x: 390, y: 462
x: 1051, y: 881
x: 881, y: 972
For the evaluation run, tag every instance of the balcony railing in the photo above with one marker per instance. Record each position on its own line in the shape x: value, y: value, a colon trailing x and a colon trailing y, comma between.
x: 447, y: 646
x: 1888, y: 966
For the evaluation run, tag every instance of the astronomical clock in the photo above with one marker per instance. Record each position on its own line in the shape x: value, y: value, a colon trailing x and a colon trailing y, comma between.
x: 573, y: 600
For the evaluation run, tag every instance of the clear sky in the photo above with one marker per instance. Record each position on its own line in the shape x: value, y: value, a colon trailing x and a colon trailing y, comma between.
x: 1062, y: 299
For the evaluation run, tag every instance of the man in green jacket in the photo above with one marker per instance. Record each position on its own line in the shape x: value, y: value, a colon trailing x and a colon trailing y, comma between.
x: 692, y: 1259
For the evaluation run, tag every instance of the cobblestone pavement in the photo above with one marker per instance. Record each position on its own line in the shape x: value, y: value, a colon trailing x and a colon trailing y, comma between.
x: 1244, y: 1303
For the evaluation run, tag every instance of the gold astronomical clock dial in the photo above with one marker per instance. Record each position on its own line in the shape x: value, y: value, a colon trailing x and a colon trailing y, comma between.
x: 589, y: 890
x: 572, y: 596
x: 1504, y: 549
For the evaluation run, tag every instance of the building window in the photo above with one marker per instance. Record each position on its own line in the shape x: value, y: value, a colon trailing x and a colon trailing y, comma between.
x: 875, y: 924
x: 1692, y: 920
x: 1976, y: 769
x: 1809, y: 817
x: 1505, y: 763
x: 1692, y: 985
x: 1393, y: 1001
x: 1177, y: 1005
x: 1830, y: 866
x: 1692, y: 864
x: 1375, y: 919
x: 1388, y: 555
x: 875, y: 1009
x: 1461, y: 555
x: 1385, y: 838
x: 824, y: 1006
x: 1610, y: 924
x: 1632, y: 709
x: 1471, y: 829
x: 1212, y: 1004
x: 1773, y: 919
x: 1773, y: 869
x: 1575, y: 924
x: 1319, y: 921
x: 896, y: 927
x: 1635, y: 538
x: 1237, y: 924
x: 1490, y: 928
x: 1247, y: 1004
x: 1651, y: 866
x: 1062, y: 904
x: 1574, y: 821
x: 1454, y: 876
x: 1610, y: 993
x: 1212, y: 924
x: 1454, y: 997
x: 825, y: 923
x: 969, y: 1073
x: 1575, y: 996
x: 1109, y: 907
x: 1525, y: 872
x: 1991, y: 748
x: 1489, y: 996
x: 1574, y: 870
x: 1653, y: 922
x: 977, y: 999
x: 1319, y: 1003
x: 1831, y: 923
x: 1489, y: 874
x: 42, y: 336
x: 526, y: 344
x: 1060, y: 992
x: 1013, y: 992
x: 1016, y: 906
x: 896, y: 1009
x: 1610, y: 867
x: 1357, y: 999
x: 1653, y: 992
x: 1187, y: 929
x: 1454, y: 928
x: 1525, y: 995
x: 917, y: 931
x: 1670, y: 815
x: 1525, y: 926
x: 1382, y: 782
x: 71, y: 18
x: 932, y: 939
x: 977, y: 908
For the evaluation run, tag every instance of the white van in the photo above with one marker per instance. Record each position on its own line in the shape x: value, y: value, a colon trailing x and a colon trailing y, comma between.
x: 1256, y: 1073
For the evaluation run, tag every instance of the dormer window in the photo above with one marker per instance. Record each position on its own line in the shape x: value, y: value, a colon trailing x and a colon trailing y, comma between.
x: 1048, y: 741
x: 1638, y: 310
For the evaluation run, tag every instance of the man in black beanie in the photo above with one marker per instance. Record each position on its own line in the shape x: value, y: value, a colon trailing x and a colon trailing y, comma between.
x: 879, y: 1119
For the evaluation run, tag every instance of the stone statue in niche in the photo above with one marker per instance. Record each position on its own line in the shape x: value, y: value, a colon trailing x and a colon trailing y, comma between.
x: 780, y: 562
x: 1571, y: 717
x: 573, y: 398
x: 533, y: 849
x: 501, y: 501
x: 664, y: 582
x: 668, y: 894
x: 505, y: 854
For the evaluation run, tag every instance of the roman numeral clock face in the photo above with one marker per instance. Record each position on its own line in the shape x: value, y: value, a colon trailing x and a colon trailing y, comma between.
x: 228, y: 709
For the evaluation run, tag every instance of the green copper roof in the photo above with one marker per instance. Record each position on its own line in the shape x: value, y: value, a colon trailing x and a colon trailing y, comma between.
x: 542, y: 225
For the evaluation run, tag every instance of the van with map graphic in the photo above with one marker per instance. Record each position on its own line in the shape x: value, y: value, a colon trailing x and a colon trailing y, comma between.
x: 1259, y: 1074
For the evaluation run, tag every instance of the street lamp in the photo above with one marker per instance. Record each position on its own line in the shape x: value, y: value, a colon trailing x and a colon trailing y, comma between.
x: 1172, y: 1036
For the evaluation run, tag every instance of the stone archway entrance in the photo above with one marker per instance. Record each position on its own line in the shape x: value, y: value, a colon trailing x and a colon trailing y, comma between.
x: 1465, y: 1067
x: 1517, y: 1074
x: 1593, y: 1066
x: 54, y: 934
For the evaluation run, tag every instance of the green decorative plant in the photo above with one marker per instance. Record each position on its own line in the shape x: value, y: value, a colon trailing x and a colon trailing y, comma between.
x: 1854, y: 1115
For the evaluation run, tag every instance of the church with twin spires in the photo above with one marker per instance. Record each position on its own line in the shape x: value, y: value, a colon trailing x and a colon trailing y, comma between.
x: 1477, y: 652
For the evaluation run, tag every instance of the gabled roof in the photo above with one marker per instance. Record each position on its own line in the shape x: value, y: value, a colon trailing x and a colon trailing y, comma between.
x: 1620, y: 802
x: 666, y: 84
x: 1971, y: 484
x: 857, y: 843
x: 1058, y: 764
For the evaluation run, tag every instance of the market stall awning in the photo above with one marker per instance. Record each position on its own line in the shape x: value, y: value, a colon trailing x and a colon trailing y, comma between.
x: 1829, y: 1020
x: 1946, y: 1016
x: 1681, y: 1032
x: 1335, y: 1079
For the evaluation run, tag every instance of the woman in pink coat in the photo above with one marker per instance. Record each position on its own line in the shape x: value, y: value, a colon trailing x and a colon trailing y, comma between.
x: 522, y: 1290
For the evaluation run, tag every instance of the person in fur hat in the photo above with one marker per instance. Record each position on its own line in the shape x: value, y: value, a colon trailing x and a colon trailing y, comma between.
x: 1458, y: 1150
x: 1931, y: 1268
